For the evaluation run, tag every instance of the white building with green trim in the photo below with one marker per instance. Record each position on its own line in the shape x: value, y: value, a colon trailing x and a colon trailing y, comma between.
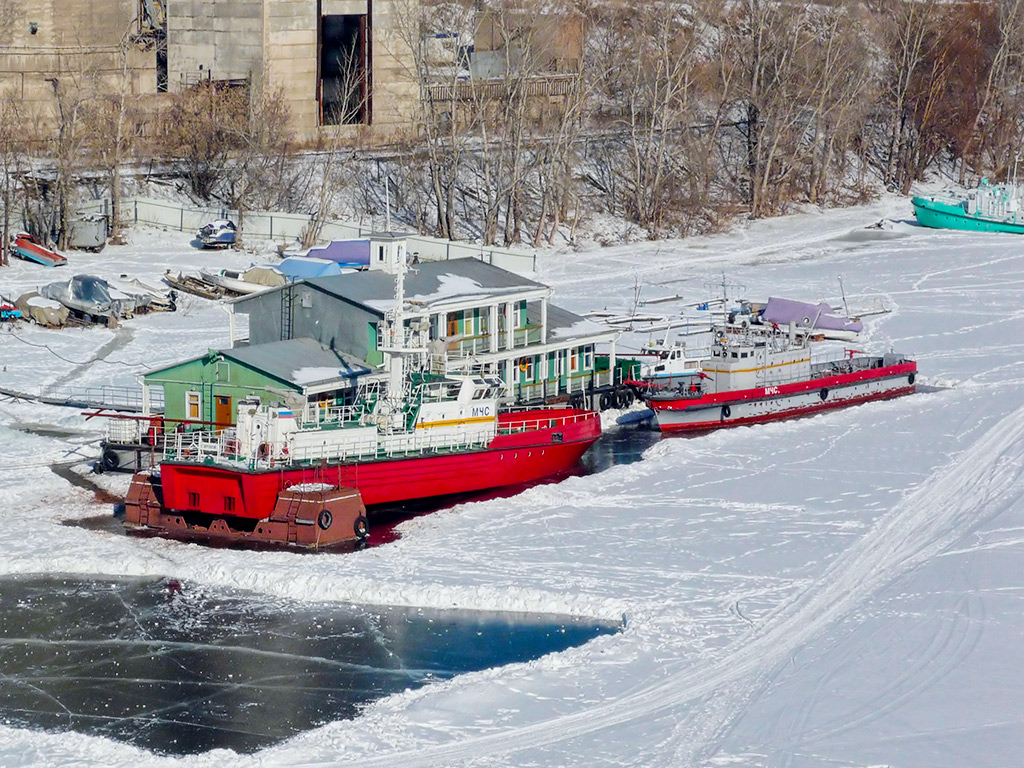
x: 481, y: 319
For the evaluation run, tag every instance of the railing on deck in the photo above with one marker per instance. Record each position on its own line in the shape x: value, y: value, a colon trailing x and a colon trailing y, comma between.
x: 223, y: 448
x: 544, y: 422
x: 576, y: 382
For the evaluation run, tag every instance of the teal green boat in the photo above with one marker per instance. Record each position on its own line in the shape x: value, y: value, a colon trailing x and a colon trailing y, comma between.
x: 988, y: 208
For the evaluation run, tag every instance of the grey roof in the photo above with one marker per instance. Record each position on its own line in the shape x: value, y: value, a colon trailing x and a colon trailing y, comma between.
x: 426, y: 283
x: 563, y: 324
x: 300, y: 362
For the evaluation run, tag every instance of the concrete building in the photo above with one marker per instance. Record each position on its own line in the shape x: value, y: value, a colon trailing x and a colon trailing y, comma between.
x: 344, y: 67
x: 341, y: 65
x: 45, y: 42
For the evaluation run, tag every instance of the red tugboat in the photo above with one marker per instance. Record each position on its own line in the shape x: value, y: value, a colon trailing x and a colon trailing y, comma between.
x: 305, y: 477
x: 760, y: 372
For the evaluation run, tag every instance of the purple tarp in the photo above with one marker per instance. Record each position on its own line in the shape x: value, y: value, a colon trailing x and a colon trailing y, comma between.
x: 784, y: 311
x: 355, y: 253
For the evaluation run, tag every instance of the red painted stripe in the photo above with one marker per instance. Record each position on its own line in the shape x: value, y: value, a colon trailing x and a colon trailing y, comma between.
x: 782, y: 390
x: 704, y: 426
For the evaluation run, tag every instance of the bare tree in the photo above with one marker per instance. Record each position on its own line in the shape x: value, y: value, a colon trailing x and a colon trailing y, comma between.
x: 73, y: 90
x: 13, y: 154
x: 112, y: 116
x: 261, y: 147
x: 199, y: 131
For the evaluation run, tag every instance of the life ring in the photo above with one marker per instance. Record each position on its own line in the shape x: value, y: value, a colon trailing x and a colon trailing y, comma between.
x: 263, y: 452
x: 910, y: 379
x: 726, y: 411
x: 823, y: 394
x: 361, y: 526
x: 606, y: 401
x: 324, y: 519
x: 523, y: 366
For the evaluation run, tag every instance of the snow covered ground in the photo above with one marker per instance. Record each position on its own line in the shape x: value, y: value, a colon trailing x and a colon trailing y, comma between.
x: 843, y: 590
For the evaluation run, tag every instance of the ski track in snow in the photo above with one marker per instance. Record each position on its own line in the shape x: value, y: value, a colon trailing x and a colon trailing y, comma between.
x: 977, y: 486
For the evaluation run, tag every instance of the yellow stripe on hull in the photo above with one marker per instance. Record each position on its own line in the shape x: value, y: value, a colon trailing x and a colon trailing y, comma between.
x: 455, y: 422
x: 756, y: 368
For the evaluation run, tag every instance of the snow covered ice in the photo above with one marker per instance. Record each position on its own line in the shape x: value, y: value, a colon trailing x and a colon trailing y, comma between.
x: 841, y: 590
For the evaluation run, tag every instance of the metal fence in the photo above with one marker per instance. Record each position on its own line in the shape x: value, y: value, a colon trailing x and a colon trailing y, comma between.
x: 291, y: 226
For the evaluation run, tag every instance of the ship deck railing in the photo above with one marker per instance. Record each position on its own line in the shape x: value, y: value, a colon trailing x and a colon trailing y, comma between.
x: 545, y: 422
x: 572, y: 383
x: 835, y: 364
x: 223, y: 447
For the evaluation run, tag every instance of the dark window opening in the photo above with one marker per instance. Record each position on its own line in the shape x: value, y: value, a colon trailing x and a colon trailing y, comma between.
x: 161, y: 68
x: 193, y: 500
x: 344, y: 70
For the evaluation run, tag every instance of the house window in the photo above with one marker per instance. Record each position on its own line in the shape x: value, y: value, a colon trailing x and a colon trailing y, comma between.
x: 530, y: 371
x: 453, y: 324
x: 588, y: 358
x: 193, y: 406
x: 574, y: 360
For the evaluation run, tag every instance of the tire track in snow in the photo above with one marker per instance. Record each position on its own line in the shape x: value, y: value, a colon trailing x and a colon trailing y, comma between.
x: 975, y: 487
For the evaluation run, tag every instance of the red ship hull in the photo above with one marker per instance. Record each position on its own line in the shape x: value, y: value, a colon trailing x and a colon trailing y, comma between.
x: 522, y: 452
x: 785, y: 401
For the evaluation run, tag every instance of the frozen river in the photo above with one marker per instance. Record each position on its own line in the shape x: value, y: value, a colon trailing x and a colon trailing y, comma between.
x: 838, y: 590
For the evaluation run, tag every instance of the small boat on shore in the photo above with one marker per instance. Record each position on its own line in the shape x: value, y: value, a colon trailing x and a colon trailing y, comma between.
x: 29, y: 248
x: 987, y: 208
x: 220, y: 233
x: 244, y: 281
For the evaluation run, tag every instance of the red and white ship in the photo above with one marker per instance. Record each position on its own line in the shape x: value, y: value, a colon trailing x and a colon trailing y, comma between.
x: 305, y: 477
x: 764, y: 372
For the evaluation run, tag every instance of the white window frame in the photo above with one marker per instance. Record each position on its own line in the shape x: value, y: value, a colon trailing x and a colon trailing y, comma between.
x: 195, y: 397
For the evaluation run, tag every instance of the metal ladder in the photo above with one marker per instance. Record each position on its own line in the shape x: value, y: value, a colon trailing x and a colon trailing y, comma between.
x: 287, y: 299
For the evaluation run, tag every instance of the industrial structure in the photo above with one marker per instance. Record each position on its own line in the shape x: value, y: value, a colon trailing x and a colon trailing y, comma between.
x: 349, y: 67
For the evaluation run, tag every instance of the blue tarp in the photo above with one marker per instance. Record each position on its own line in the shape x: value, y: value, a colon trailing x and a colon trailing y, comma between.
x: 348, y: 253
x: 301, y: 267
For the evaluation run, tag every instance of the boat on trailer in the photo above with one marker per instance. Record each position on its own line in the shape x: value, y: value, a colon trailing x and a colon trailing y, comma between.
x: 765, y: 372
x: 305, y: 477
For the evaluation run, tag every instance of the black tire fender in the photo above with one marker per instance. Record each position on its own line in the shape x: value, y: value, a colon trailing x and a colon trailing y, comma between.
x: 109, y: 460
x: 606, y: 401
x: 726, y: 411
x: 910, y: 379
x: 361, y: 527
x: 324, y: 519
x: 823, y: 394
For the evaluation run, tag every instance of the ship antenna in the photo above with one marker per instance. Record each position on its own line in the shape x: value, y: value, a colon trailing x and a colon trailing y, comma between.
x: 842, y: 290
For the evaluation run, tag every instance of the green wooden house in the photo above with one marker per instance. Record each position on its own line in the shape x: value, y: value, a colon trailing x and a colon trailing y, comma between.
x: 207, y: 389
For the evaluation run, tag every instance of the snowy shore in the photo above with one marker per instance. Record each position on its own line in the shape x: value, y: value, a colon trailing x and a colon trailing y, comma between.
x: 838, y: 590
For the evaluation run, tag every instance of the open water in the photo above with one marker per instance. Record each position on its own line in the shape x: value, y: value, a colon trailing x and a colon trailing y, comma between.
x: 177, y: 668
